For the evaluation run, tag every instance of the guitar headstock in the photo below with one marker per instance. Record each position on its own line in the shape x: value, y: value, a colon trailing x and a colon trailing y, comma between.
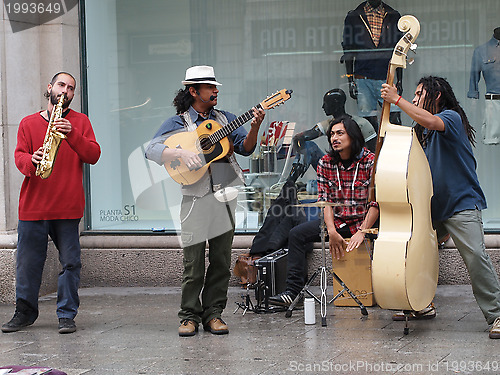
x: 410, y: 26
x: 276, y: 99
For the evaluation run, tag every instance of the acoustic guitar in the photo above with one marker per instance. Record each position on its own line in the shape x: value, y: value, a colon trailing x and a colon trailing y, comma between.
x: 210, y: 141
x: 405, y: 256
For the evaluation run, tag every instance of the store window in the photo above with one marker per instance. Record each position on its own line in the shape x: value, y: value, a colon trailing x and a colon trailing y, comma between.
x: 137, y: 53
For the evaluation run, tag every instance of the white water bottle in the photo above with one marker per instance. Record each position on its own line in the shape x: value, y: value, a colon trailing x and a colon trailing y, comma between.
x: 309, y: 311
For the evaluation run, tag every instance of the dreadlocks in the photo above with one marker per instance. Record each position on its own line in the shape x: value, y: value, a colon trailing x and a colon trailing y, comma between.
x: 434, y: 87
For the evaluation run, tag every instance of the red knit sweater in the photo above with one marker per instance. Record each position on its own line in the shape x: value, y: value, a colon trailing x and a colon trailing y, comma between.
x: 61, y: 195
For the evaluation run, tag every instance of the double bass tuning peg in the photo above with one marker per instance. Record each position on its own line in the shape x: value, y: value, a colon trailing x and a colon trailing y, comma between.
x: 413, y: 48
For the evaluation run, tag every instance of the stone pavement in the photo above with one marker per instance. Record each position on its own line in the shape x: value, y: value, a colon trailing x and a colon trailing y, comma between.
x: 134, y: 331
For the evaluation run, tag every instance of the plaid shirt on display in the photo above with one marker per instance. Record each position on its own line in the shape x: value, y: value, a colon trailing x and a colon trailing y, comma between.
x: 375, y: 18
x: 348, y: 186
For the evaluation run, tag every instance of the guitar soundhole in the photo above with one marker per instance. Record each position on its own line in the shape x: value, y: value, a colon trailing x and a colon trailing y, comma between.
x: 205, y: 145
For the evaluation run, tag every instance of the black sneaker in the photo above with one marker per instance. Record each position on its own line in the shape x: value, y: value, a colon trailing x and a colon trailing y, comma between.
x: 66, y: 325
x: 18, y: 321
x: 283, y: 299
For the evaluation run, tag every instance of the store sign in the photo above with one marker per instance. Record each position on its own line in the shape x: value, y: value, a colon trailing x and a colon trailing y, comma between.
x: 324, y: 35
x: 167, y: 47
x: 125, y: 213
x: 292, y: 35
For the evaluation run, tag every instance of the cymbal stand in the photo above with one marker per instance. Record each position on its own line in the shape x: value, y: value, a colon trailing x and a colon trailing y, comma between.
x: 351, y: 294
x: 323, y: 281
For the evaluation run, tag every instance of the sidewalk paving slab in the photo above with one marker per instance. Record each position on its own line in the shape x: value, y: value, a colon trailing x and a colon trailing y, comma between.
x: 134, y: 331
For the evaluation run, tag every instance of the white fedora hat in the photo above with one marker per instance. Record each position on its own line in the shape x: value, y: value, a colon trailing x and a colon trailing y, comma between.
x: 200, y: 74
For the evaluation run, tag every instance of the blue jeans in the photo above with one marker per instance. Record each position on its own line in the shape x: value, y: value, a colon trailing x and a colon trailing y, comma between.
x: 31, y: 255
x: 466, y: 230
x: 369, y: 97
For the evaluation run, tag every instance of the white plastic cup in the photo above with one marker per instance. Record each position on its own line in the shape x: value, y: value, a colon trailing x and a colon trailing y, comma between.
x: 309, y: 311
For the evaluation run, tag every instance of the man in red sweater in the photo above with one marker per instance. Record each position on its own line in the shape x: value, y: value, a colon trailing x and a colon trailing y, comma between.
x: 52, y: 206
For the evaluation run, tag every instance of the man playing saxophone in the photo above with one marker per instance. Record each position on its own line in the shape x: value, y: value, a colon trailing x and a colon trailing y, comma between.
x: 52, y: 205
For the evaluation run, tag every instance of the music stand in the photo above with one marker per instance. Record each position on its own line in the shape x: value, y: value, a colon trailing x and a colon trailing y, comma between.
x: 322, y: 272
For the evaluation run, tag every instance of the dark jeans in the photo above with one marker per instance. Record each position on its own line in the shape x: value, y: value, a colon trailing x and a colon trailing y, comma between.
x: 31, y: 255
x: 300, y: 243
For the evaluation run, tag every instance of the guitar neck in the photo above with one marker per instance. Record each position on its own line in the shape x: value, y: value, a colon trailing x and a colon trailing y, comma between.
x: 233, y: 125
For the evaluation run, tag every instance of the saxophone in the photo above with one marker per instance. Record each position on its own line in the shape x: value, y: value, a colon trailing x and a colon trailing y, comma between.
x: 51, y: 142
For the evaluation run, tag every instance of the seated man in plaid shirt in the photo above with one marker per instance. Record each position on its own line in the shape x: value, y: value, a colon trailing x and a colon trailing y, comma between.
x: 343, y: 177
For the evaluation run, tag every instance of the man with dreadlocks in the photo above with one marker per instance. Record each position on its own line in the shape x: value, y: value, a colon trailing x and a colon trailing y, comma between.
x: 447, y: 138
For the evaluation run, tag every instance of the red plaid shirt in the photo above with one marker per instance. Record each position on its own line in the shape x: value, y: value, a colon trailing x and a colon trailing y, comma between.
x: 375, y: 18
x: 348, y: 186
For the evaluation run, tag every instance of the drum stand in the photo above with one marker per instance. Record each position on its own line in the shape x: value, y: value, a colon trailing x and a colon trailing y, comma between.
x: 262, y: 306
x: 323, y: 282
x: 247, y: 304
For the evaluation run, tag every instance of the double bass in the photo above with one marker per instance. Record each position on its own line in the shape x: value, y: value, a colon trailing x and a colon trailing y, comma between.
x: 405, y: 255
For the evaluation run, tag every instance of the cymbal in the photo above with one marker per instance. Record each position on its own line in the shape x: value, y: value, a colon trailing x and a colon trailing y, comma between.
x: 320, y: 204
x: 302, y: 196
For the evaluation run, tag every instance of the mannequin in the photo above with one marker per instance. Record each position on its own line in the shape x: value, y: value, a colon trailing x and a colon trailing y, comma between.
x: 496, y: 33
x: 367, y: 55
x: 486, y: 62
x: 333, y: 105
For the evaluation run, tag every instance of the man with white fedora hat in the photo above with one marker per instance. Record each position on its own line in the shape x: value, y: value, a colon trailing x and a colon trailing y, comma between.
x: 204, y: 215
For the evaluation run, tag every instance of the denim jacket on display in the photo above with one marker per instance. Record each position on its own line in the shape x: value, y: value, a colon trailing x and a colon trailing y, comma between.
x: 485, y: 59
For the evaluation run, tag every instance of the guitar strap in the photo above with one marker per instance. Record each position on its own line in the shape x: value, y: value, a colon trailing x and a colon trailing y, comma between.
x: 222, y: 120
x: 189, y: 125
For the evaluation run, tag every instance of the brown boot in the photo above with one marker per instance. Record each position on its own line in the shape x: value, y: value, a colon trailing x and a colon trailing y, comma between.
x: 188, y: 328
x: 216, y: 326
